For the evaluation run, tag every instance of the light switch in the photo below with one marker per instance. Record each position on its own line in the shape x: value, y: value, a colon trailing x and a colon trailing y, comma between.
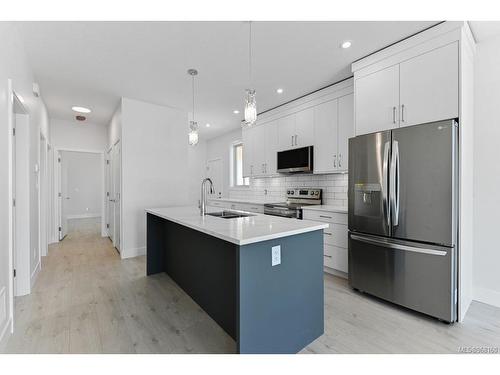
x: 275, y: 255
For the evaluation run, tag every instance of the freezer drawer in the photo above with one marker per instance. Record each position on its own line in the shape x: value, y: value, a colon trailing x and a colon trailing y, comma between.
x: 418, y: 276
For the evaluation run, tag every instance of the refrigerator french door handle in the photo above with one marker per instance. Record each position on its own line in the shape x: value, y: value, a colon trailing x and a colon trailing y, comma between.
x: 394, y: 183
x: 397, y: 246
x: 385, y: 170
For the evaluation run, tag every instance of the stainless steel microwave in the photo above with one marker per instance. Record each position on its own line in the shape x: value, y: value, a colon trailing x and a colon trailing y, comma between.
x: 296, y: 160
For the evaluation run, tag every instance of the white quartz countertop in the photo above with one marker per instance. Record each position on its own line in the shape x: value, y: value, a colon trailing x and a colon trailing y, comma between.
x: 240, y: 231
x: 328, y: 208
x: 236, y: 200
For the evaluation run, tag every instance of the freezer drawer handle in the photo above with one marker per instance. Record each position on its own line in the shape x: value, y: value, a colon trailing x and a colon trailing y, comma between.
x: 398, y: 246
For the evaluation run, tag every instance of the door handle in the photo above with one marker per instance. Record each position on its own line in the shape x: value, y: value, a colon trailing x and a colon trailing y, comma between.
x: 385, y: 171
x: 402, y: 113
x: 296, y: 139
x: 394, y: 114
x: 392, y: 245
x: 292, y: 140
x: 394, y: 183
x: 340, y: 160
x: 334, y: 161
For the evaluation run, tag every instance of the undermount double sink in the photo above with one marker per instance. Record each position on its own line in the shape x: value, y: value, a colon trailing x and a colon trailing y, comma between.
x: 229, y: 214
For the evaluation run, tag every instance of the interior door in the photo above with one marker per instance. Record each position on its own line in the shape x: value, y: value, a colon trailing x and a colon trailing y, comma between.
x: 325, y: 136
x: 377, y: 101
x: 109, y: 203
x: 429, y: 86
x: 423, y: 192
x: 368, y: 183
x: 63, y: 196
x: 214, y: 172
x: 116, y: 194
x: 346, y: 130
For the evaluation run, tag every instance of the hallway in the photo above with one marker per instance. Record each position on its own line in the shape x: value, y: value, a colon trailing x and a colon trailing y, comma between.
x: 88, y: 300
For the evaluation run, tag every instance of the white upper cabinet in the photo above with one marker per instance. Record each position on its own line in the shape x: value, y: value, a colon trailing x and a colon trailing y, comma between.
x: 377, y: 101
x: 304, y: 128
x: 259, y: 150
x: 326, y: 137
x: 345, y: 129
x: 429, y: 86
x: 271, y: 139
x: 247, y: 137
x: 286, y: 132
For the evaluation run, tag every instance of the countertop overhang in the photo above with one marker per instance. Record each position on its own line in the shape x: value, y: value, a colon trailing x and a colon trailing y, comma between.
x: 240, y: 231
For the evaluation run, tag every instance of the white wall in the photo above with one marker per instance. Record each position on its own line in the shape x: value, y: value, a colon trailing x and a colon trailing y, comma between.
x: 78, y: 135
x: 220, y: 147
x: 84, y: 184
x: 115, y: 127
x: 154, y: 167
x: 487, y: 172
x: 197, y: 156
x: 14, y: 65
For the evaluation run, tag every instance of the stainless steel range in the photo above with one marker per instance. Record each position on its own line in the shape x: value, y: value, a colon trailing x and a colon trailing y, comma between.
x: 295, y: 200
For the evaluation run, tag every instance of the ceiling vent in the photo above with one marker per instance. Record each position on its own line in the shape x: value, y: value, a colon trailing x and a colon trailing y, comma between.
x: 80, y: 118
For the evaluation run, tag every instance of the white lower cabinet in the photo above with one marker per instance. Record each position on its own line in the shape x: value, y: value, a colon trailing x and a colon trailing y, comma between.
x: 229, y: 205
x: 335, y: 239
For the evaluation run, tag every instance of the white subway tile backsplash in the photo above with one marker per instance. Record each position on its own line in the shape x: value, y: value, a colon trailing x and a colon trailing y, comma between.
x: 273, y: 189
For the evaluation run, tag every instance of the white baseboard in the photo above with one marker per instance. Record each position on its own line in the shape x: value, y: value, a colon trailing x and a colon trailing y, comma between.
x: 5, y: 334
x: 83, y: 216
x: 331, y: 271
x: 131, y: 253
x: 488, y: 296
x: 34, y: 274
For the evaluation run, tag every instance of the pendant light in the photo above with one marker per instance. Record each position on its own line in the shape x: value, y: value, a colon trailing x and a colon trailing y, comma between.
x: 193, y: 125
x: 250, y: 100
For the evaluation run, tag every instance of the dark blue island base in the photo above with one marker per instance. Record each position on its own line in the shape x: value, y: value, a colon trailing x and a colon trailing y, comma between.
x: 264, y: 308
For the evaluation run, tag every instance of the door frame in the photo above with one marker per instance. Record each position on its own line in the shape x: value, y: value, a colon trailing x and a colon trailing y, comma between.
x: 57, y: 183
x: 13, y: 101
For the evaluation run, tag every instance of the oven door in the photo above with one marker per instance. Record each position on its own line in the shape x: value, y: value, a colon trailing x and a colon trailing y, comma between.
x: 283, y: 212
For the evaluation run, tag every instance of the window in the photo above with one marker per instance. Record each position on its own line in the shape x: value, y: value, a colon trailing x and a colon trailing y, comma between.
x: 237, y: 166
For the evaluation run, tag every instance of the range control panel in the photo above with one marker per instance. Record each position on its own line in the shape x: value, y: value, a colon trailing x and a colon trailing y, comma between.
x: 304, y: 193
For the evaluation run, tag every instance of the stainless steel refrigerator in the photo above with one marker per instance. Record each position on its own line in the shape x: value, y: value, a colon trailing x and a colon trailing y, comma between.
x: 403, y: 210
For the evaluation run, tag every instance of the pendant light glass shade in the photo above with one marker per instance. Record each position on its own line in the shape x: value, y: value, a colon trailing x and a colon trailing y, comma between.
x: 193, y: 133
x: 193, y: 125
x: 250, y: 108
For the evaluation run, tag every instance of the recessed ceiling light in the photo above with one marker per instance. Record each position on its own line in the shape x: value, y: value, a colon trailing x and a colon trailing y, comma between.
x: 81, y: 109
x: 346, y: 44
x: 208, y: 125
x: 236, y: 111
x: 279, y: 91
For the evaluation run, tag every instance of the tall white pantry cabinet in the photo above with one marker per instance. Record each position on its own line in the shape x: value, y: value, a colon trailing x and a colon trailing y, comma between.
x: 427, y: 77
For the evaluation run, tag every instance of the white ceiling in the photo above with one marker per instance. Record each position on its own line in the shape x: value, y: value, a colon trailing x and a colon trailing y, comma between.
x: 93, y: 64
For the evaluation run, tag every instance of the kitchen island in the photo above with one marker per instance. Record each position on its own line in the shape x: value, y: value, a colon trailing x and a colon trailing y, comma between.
x: 259, y: 277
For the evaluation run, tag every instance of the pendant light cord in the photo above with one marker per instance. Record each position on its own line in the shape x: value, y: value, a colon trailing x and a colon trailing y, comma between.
x: 250, y: 53
x: 193, y: 95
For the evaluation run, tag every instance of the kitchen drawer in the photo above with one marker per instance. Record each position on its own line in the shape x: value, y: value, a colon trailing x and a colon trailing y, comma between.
x: 257, y: 208
x: 220, y: 204
x: 336, y: 257
x: 325, y: 216
x: 336, y: 235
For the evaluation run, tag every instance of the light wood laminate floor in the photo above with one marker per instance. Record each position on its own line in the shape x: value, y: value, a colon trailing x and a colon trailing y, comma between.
x: 88, y: 300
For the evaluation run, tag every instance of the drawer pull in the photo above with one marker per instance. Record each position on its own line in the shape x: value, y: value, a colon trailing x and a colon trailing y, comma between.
x: 326, y: 217
x: 328, y: 234
x: 327, y: 256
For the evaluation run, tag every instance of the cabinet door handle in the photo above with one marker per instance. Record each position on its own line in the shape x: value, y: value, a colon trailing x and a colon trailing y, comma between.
x: 402, y: 113
x: 292, y: 140
x: 328, y: 234
x: 326, y: 217
x: 394, y: 114
x: 340, y: 160
x: 296, y: 139
x: 334, y: 161
x: 327, y: 256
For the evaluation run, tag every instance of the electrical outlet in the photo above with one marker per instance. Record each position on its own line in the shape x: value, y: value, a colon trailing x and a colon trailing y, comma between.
x: 275, y: 255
